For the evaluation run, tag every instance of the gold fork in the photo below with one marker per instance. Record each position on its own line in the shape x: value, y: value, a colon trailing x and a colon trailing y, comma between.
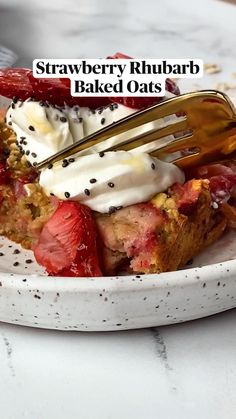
x: 202, y: 129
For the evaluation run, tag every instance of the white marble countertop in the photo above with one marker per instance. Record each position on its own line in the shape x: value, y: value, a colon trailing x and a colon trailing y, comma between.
x: 182, y: 371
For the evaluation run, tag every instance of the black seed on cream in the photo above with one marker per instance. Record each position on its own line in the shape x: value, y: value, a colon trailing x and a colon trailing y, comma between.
x: 27, y: 152
x: 13, y: 106
x: 112, y: 210
x: 15, y: 99
x: 63, y: 119
x: 80, y: 120
x: 52, y: 194
x: 10, y: 123
x: 31, y: 128
x: 111, y: 184
x: 35, y: 163
x: 87, y: 192
x: 25, y: 142
x: 50, y: 166
x: 101, y: 154
x: 65, y: 163
x: 67, y: 194
x: 153, y: 166
x: 23, y: 138
x: 15, y: 263
x: 93, y: 180
x: 16, y: 252
x: 71, y: 160
x: 34, y: 155
x: 103, y: 121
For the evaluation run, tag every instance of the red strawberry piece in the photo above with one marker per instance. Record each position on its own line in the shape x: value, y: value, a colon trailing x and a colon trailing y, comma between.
x: 186, y: 197
x: 222, y: 186
x: 119, y: 55
x: 142, y: 102
x: 67, y: 243
x: 20, y: 83
x: 222, y: 179
x: 4, y: 175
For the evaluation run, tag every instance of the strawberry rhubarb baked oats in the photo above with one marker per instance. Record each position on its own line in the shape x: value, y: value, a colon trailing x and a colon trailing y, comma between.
x: 97, y: 213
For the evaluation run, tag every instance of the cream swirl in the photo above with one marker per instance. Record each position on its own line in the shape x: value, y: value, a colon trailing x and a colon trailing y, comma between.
x: 108, y: 181
x: 102, y: 181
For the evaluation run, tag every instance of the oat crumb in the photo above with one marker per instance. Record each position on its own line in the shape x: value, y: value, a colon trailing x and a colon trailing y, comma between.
x: 225, y: 87
x: 212, y: 68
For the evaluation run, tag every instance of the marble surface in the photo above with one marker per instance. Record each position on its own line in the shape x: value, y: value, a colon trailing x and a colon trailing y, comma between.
x: 183, y: 371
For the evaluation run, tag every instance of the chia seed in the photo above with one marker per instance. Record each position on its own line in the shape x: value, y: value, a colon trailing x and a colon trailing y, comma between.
x: 63, y: 119
x: 112, y: 210
x: 103, y: 121
x: 93, y: 180
x: 111, y: 184
x: 101, y: 154
x: 50, y: 166
x: 67, y: 194
x: 87, y: 192
x: 71, y: 160
x: 34, y: 155
x: 31, y: 128
x: 153, y: 166
x: 65, y: 163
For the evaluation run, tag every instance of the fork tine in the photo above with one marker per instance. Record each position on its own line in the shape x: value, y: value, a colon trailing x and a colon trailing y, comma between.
x: 174, y: 106
x: 190, y: 140
x: 153, y: 135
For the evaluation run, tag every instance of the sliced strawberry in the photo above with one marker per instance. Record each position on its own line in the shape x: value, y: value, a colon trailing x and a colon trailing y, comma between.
x: 67, y: 244
x: 20, y: 83
x: 142, y: 102
x: 119, y: 55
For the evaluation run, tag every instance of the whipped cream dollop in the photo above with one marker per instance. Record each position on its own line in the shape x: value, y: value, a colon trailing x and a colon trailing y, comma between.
x: 42, y: 129
x: 109, y: 181
x: 102, y: 181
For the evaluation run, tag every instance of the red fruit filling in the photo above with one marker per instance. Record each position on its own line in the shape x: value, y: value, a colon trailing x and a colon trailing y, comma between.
x: 67, y: 244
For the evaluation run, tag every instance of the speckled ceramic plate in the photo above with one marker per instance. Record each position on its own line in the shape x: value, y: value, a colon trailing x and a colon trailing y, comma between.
x: 30, y: 298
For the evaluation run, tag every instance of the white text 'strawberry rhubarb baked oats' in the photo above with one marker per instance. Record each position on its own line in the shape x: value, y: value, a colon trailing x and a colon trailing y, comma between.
x: 95, y: 214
